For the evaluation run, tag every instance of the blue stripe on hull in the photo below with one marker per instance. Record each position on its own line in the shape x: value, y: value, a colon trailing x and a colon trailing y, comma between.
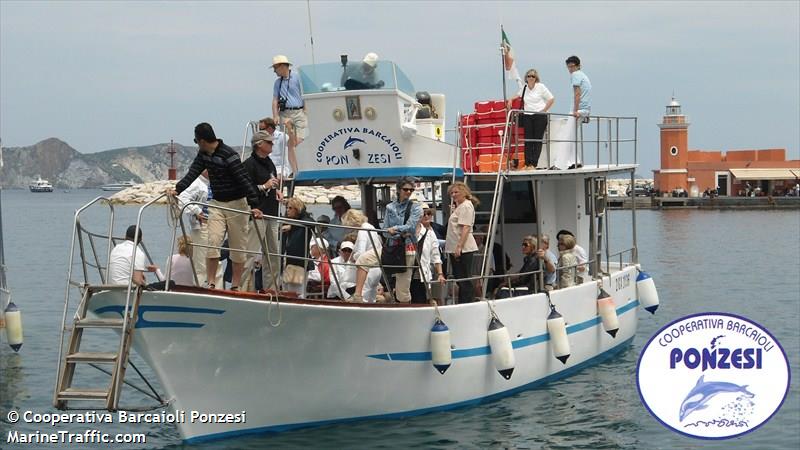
x: 394, y: 172
x: 519, y: 343
x: 556, y: 376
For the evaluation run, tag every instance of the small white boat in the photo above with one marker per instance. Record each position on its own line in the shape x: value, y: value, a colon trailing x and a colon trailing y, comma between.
x: 112, y: 187
x: 258, y: 363
x: 40, y: 185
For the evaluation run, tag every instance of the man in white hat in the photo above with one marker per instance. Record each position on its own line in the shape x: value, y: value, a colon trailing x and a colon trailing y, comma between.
x: 287, y: 97
x: 363, y: 76
x: 345, y: 272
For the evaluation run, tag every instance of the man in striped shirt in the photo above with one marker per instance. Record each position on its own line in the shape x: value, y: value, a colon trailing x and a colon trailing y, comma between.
x: 232, y: 189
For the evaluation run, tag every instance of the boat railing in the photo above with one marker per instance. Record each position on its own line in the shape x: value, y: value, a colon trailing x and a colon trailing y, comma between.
x: 612, y: 134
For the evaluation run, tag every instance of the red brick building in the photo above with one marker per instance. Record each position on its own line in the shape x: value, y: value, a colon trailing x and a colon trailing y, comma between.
x: 731, y: 171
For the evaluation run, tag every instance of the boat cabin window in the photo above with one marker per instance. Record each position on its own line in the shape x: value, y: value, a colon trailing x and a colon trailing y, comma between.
x: 333, y: 77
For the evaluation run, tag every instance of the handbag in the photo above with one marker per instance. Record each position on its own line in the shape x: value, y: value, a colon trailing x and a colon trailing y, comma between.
x: 521, y: 116
x: 394, y: 252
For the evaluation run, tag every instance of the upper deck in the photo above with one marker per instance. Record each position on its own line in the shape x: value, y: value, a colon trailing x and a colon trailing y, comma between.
x: 365, y: 127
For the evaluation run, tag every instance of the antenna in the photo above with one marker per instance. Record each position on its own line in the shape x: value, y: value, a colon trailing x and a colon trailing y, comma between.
x: 310, y: 30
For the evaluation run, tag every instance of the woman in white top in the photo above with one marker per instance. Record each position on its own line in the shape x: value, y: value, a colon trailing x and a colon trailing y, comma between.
x: 364, y: 243
x: 181, y: 263
x: 460, y: 244
x: 536, y: 98
x: 428, y: 255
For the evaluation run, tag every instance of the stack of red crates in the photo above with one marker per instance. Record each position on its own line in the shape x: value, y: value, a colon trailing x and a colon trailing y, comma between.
x: 481, y: 137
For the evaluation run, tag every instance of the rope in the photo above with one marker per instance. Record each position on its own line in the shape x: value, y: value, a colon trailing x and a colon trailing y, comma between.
x: 273, y: 298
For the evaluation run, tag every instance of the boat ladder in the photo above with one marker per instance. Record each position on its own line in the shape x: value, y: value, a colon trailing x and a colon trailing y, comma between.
x: 598, y: 227
x: 109, y: 395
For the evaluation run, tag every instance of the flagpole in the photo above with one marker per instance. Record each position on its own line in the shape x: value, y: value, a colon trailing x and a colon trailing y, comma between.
x: 503, y: 66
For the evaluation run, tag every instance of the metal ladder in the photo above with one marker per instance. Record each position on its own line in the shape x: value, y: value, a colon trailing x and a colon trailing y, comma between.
x: 598, y: 225
x: 74, y: 356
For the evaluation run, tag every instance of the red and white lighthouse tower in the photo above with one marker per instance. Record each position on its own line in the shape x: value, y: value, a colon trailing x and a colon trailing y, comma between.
x: 674, y: 150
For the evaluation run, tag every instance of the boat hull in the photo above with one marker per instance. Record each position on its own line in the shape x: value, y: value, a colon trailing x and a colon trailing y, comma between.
x: 327, y: 363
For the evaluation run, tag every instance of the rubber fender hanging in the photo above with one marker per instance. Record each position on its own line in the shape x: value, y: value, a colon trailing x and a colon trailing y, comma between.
x: 607, y: 312
x: 440, y: 346
x: 502, y: 350
x: 648, y: 296
x: 13, y: 326
x: 557, y: 328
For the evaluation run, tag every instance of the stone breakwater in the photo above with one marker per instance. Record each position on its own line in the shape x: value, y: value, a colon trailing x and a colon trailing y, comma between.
x: 146, y: 192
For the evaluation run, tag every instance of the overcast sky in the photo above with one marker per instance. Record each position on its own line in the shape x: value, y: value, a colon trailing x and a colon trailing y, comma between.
x: 103, y: 75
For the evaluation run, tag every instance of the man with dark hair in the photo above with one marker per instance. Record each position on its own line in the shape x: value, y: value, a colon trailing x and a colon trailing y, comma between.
x: 125, y: 253
x: 264, y: 174
x: 339, y: 205
x: 232, y: 189
x: 581, y: 88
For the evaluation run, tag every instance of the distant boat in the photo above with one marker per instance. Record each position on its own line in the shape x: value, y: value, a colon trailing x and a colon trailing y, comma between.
x: 117, y: 186
x: 40, y: 185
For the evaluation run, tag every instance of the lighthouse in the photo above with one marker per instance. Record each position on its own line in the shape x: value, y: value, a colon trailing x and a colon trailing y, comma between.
x: 674, y: 150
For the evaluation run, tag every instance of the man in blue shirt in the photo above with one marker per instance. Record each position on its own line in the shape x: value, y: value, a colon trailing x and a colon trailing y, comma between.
x: 581, y: 87
x: 287, y: 97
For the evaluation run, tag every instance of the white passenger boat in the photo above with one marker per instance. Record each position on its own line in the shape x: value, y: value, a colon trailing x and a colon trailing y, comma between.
x: 288, y: 362
x: 40, y: 185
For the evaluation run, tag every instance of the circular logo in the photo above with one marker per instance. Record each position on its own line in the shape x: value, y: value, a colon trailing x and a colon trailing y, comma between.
x: 713, y: 375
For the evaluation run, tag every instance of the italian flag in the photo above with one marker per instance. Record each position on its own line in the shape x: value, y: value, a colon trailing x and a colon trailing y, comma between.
x: 508, y: 61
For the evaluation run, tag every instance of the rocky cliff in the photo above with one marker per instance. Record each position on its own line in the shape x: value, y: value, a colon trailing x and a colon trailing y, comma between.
x: 65, y: 167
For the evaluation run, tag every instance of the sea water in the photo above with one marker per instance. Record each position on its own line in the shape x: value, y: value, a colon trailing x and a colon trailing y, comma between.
x: 741, y: 262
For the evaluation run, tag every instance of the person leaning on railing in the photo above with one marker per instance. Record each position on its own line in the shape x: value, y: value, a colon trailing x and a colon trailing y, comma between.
x: 401, y: 232
x: 232, y: 189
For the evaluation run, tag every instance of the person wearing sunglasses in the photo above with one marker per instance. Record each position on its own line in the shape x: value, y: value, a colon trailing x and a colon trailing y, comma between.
x: 401, y: 231
x: 429, y: 256
x: 526, y: 282
x: 536, y: 98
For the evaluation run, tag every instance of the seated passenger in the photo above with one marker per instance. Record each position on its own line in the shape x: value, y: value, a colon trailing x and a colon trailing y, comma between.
x: 181, y: 263
x: 319, y: 277
x: 566, y: 261
x: 119, y: 262
x: 526, y: 282
x: 550, y: 261
x: 364, y: 75
x: 366, y: 241
x: 345, y: 273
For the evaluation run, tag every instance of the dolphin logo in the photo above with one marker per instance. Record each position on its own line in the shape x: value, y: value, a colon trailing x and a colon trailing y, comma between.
x: 702, y: 392
x: 351, y: 141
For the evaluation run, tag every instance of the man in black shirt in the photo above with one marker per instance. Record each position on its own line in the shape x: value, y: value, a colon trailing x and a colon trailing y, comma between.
x: 264, y: 175
x: 232, y: 189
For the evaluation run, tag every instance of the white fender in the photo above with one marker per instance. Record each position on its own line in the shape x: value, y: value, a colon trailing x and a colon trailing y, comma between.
x: 440, y: 346
x: 14, y: 326
x: 607, y: 312
x: 500, y: 345
x: 557, y: 329
x: 646, y: 288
